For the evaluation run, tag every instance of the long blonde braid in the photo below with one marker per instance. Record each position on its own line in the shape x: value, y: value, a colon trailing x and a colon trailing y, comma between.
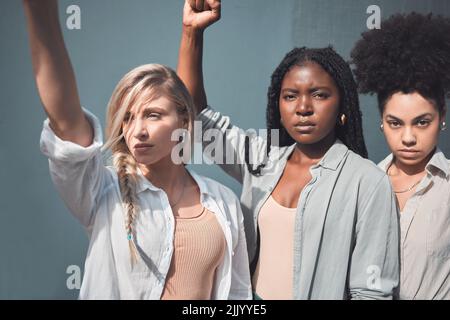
x: 126, y: 171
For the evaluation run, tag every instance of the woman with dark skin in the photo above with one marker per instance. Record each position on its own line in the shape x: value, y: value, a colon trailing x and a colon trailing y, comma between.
x: 320, y: 220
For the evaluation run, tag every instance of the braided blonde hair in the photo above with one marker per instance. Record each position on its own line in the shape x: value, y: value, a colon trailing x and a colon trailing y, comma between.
x: 147, y: 82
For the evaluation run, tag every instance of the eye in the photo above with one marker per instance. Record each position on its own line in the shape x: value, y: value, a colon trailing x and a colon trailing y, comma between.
x: 152, y: 115
x: 321, y: 95
x: 127, y: 118
x: 288, y: 97
x: 423, y: 123
x: 394, y: 124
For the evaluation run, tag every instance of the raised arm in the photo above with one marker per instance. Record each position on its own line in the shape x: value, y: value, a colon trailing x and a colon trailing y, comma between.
x: 53, y: 72
x: 197, y: 16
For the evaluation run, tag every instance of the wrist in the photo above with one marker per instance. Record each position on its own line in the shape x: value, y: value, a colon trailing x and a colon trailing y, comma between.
x: 192, y: 33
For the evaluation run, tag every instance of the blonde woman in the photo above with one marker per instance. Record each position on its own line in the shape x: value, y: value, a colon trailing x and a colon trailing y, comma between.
x: 157, y: 230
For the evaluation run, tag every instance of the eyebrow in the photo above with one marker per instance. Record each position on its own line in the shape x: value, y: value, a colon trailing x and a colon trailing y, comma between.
x: 415, y: 119
x: 155, y: 108
x: 149, y: 109
x: 311, y: 89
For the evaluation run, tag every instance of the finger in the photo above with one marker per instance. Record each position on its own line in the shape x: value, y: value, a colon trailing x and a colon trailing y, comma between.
x: 206, y: 6
x: 215, y: 6
x: 191, y: 3
x: 187, y: 10
x: 199, y: 5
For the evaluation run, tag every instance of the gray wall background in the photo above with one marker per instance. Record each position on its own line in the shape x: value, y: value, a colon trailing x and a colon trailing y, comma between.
x: 39, y: 239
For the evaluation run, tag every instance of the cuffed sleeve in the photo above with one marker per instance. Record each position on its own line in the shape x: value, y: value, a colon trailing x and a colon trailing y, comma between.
x: 77, y: 171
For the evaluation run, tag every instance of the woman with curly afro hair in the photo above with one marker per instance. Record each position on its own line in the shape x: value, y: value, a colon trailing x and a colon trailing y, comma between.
x: 406, y: 64
x: 320, y: 219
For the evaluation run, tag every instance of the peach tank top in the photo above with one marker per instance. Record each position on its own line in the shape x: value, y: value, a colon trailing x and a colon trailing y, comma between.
x: 199, y: 247
x: 273, y: 276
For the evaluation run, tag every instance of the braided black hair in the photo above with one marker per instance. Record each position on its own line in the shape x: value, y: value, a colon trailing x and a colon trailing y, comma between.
x: 410, y: 53
x: 351, y: 134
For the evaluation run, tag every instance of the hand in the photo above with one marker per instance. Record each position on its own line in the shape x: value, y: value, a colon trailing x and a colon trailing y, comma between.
x: 200, y: 14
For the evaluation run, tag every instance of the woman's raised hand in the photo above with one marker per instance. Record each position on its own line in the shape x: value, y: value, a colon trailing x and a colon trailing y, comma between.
x: 200, y: 14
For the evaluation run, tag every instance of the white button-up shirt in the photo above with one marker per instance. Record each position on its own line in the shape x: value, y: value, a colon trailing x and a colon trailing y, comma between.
x: 425, y: 234
x: 91, y: 192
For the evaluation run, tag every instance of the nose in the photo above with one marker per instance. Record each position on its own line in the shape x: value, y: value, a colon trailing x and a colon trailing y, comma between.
x: 140, y: 131
x: 304, y: 106
x: 408, y: 136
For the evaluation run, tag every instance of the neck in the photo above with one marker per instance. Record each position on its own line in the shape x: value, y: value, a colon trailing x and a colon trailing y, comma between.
x: 165, y: 174
x: 311, y: 154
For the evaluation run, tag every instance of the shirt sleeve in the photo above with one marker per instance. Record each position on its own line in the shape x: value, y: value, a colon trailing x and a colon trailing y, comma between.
x: 374, y: 266
x: 232, y: 157
x: 77, y: 172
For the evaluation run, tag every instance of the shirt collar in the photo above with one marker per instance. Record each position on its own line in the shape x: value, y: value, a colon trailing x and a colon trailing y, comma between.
x: 437, y: 161
x: 332, y: 157
x: 144, y: 184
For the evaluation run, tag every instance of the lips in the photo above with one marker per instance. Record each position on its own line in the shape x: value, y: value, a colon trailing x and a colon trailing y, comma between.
x: 305, y: 124
x: 142, y: 146
x: 412, y: 151
x: 408, y: 153
x: 304, y: 127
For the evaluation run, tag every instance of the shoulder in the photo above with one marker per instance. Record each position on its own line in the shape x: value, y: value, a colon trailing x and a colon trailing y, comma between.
x: 366, y: 176
x: 217, y: 189
x: 364, y: 168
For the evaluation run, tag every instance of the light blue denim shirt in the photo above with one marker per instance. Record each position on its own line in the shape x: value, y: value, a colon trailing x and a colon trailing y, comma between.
x: 346, y: 228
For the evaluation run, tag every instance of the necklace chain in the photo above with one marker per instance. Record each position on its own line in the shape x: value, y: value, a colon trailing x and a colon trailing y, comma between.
x: 409, y: 189
x: 406, y: 190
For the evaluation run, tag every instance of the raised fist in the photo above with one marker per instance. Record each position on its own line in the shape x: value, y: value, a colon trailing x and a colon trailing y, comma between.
x: 200, y: 14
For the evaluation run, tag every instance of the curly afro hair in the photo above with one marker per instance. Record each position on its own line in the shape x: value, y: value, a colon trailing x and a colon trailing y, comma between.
x: 410, y: 53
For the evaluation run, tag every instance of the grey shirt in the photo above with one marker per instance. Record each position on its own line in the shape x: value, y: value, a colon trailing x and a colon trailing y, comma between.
x: 346, y: 238
x: 425, y: 234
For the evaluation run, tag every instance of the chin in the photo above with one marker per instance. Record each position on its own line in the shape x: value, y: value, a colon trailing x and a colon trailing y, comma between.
x: 306, y: 138
x: 410, y: 161
x: 146, y: 160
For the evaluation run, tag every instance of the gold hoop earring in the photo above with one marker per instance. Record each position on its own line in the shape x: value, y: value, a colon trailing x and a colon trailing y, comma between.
x: 343, y: 119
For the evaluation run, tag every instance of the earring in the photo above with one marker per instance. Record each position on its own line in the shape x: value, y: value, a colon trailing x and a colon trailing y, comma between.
x: 343, y: 119
x: 443, y: 126
x: 382, y: 127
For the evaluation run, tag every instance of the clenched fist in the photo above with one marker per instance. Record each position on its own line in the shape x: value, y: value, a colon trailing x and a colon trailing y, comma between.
x: 200, y: 14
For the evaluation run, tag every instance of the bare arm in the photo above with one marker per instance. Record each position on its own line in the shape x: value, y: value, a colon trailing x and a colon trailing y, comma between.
x: 53, y: 72
x: 197, y: 16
